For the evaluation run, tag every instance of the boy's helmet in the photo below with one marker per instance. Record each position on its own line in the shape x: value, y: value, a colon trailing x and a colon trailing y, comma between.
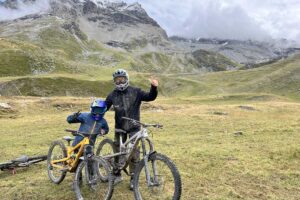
x: 121, y: 85
x: 98, y: 109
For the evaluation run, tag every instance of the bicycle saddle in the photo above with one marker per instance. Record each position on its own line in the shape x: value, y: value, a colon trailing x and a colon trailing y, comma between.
x: 68, y: 138
x: 21, y: 159
x: 120, y: 131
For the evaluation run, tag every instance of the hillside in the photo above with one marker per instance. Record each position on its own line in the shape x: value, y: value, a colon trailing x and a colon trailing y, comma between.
x: 73, y: 49
x: 281, y: 78
x: 101, y: 33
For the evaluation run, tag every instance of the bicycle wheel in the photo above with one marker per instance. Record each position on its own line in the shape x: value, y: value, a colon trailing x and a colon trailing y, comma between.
x: 87, y: 182
x: 4, y: 166
x: 56, y: 151
x: 164, y: 177
x: 106, y: 147
x: 36, y: 159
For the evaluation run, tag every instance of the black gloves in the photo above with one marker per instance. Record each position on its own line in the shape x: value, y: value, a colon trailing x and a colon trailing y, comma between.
x: 75, y: 115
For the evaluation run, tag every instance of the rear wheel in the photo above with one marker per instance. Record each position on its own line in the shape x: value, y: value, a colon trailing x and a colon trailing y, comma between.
x: 88, y: 183
x: 106, y: 147
x: 56, y: 151
x: 164, y: 179
x: 36, y: 159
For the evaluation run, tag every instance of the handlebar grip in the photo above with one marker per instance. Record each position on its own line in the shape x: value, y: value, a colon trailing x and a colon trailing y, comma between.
x: 71, y: 131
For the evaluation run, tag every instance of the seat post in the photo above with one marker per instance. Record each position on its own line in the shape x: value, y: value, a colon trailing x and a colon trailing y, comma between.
x: 68, y: 139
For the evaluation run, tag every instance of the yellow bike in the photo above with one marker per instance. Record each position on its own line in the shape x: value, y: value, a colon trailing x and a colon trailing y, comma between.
x: 93, y: 179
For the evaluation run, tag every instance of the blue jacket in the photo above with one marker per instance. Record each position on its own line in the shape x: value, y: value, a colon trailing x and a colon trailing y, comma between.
x: 88, y: 125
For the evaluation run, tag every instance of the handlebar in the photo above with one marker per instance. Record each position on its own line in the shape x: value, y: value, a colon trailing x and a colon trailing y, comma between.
x: 136, y: 122
x: 78, y: 133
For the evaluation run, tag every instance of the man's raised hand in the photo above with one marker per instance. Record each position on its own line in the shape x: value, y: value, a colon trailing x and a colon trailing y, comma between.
x: 153, y: 81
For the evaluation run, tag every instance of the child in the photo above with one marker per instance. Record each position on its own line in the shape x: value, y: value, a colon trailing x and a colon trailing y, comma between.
x: 91, y: 122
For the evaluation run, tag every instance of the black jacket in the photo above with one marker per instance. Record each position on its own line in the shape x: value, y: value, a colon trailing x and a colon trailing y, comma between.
x: 127, y: 103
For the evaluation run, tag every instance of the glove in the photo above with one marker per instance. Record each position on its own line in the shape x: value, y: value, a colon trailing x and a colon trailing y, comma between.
x: 75, y: 115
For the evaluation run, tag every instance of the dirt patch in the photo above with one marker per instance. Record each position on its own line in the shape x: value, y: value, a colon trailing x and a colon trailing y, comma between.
x: 219, y: 113
x: 7, y: 111
x: 66, y: 106
x: 247, y: 108
x: 151, y: 107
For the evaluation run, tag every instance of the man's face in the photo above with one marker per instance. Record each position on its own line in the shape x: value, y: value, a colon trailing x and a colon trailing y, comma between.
x: 120, y: 80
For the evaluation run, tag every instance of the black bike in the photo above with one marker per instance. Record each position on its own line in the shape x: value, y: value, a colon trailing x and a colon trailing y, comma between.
x: 22, y: 161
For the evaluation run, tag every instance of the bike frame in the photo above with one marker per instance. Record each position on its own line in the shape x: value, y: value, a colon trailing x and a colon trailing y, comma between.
x: 72, y: 164
x: 141, y: 136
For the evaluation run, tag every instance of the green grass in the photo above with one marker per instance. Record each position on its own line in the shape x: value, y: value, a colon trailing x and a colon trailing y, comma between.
x: 153, y: 62
x: 213, y: 61
x: 281, y: 78
x: 277, y: 80
x: 214, y: 162
x: 55, y: 86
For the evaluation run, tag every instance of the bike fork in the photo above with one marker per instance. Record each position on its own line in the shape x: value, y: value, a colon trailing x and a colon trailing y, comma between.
x: 150, y: 181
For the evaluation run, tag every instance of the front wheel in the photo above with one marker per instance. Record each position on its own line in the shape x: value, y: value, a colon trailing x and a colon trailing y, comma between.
x: 56, y: 151
x: 164, y: 179
x: 105, y: 148
x: 88, y: 183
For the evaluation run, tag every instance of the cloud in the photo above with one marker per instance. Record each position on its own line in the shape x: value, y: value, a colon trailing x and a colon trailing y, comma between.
x: 236, y: 19
x: 231, y: 19
x: 24, y: 9
x: 216, y: 19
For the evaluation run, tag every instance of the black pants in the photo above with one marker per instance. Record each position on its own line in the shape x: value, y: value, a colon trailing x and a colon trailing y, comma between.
x: 136, y: 155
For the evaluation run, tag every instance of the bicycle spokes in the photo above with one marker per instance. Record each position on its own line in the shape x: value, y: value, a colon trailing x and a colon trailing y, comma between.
x: 161, y: 183
x: 88, y: 182
x: 56, y: 152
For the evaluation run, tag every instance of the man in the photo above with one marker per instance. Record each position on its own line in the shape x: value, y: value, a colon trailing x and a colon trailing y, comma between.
x: 126, y: 101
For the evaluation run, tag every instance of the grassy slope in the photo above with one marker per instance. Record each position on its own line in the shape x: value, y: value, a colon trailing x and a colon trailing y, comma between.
x: 281, y: 78
x: 58, y: 53
x: 26, y: 59
x: 214, y: 163
x: 213, y: 60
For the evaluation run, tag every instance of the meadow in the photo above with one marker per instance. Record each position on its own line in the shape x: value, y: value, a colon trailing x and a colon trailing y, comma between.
x: 225, y: 147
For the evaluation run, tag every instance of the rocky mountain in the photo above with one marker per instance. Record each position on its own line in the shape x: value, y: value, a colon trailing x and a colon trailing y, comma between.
x: 98, y: 32
x: 110, y: 23
x: 248, y: 53
x: 71, y: 47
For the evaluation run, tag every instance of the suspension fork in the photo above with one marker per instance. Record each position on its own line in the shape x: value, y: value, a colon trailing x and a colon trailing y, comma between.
x: 150, y: 181
x: 145, y: 158
x: 90, y: 165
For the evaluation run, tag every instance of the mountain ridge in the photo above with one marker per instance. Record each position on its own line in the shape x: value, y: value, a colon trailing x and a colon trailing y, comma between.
x: 82, y: 39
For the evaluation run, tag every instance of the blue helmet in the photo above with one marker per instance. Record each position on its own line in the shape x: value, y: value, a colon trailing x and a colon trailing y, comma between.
x: 98, y: 109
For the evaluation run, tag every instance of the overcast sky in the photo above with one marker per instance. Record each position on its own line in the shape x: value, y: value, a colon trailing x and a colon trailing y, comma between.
x: 230, y: 19
x: 235, y: 19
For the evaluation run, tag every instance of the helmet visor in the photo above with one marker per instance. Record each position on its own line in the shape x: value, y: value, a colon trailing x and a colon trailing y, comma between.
x: 120, y: 80
x: 98, y: 110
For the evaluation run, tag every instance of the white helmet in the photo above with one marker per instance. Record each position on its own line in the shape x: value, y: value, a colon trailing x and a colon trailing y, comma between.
x: 121, y: 85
